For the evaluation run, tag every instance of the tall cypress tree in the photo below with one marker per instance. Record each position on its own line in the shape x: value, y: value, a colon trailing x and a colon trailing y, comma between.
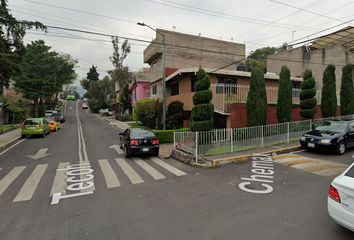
x: 285, y: 96
x: 203, y: 110
x: 346, y: 91
x: 329, y: 96
x: 256, y: 104
x: 307, y: 96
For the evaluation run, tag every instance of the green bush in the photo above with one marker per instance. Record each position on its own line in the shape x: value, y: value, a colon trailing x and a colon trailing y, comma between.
x: 308, y: 93
x: 167, y: 135
x: 308, y: 103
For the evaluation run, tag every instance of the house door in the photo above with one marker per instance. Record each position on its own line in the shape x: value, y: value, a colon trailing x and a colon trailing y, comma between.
x: 219, y: 121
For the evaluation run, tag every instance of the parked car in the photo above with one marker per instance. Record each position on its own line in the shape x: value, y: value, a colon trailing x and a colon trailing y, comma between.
x: 84, y: 106
x: 138, y: 141
x: 59, y: 116
x: 48, y: 113
x: 340, y: 201
x: 54, y: 125
x: 35, y: 126
x: 71, y: 97
x: 336, y: 135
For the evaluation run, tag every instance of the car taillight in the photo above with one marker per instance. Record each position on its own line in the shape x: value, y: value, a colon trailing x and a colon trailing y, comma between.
x: 23, y: 126
x: 134, y: 142
x: 40, y: 125
x: 333, y: 194
x: 155, y: 141
x: 51, y: 123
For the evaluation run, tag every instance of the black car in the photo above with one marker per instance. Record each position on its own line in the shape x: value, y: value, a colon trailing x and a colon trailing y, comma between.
x: 137, y: 141
x: 335, y: 135
x: 59, y: 117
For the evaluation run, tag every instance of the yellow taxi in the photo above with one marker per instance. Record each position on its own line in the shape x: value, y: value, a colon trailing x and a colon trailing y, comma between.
x: 54, y: 125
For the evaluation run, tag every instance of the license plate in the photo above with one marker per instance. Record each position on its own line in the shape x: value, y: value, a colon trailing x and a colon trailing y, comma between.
x: 311, y: 145
x: 32, y: 127
x: 145, y: 149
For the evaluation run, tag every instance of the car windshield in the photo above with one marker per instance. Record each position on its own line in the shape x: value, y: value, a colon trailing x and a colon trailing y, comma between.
x: 332, y: 126
x: 56, y: 114
x: 32, y: 122
x: 140, y: 132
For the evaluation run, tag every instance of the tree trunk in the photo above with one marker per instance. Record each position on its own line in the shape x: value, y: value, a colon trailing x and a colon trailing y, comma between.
x: 35, y: 106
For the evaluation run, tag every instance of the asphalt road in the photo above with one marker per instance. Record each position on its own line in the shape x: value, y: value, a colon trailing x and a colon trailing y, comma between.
x: 150, y: 198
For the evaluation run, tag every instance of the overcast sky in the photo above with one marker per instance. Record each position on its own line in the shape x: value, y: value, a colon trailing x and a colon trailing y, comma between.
x: 255, y: 23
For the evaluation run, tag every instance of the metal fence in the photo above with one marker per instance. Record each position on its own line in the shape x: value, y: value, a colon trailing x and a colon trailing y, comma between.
x: 236, y: 139
x: 224, y: 94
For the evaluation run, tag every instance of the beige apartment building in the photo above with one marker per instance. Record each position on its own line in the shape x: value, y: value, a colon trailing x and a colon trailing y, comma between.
x: 186, y: 51
x: 336, y: 48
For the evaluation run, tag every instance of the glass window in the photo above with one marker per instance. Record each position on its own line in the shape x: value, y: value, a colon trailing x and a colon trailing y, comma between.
x: 174, y: 89
x: 226, y: 85
x: 154, y: 90
x: 296, y: 89
x: 153, y: 67
x: 32, y: 122
x: 141, y: 132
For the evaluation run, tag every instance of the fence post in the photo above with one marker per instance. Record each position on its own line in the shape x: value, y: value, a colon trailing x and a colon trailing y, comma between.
x: 232, y: 142
x: 196, y: 147
x: 288, y: 132
x: 174, y: 139
x: 262, y: 136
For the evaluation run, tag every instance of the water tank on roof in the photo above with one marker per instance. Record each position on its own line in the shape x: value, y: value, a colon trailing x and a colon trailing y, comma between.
x: 242, y: 67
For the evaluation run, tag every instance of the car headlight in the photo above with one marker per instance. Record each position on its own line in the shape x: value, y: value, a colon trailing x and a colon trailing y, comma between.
x: 325, y: 140
x: 303, y: 138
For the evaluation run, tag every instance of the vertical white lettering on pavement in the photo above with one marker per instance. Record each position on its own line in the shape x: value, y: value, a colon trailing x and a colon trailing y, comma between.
x: 262, y: 166
x: 78, y: 176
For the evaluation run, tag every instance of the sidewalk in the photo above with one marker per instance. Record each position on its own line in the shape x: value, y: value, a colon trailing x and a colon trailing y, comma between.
x: 9, y: 138
x: 223, y: 158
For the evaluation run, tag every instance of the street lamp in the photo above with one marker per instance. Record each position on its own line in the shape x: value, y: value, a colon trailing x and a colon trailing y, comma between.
x: 164, y: 74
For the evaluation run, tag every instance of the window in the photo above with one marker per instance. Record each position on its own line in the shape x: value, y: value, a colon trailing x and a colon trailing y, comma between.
x: 194, y: 79
x: 154, y: 89
x: 153, y: 67
x: 174, y: 89
x: 296, y: 89
x: 229, y: 85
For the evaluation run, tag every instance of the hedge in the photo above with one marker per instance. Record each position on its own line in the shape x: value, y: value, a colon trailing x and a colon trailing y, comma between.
x: 166, y: 136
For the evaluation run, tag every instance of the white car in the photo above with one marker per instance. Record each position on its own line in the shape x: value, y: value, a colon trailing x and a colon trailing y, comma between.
x: 340, y: 200
x: 48, y: 113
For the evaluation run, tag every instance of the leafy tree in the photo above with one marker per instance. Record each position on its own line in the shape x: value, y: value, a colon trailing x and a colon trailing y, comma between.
x: 346, y: 91
x: 120, y: 73
x: 17, y: 106
x: 125, y: 100
x: 12, y: 33
x: 329, y: 96
x: 256, y: 104
x: 145, y: 112
x: 176, y: 115
x: 41, y: 73
x: 93, y: 75
x: 258, y: 58
x: 307, y: 96
x: 285, y: 96
x: 203, y: 110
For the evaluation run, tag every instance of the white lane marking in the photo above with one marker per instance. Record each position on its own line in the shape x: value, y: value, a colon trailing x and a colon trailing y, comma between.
x: 312, y: 164
x: 59, y: 184
x: 83, y: 176
x: 10, y: 177
x: 12, y: 146
x: 129, y: 171
x: 41, y: 153
x: 168, y: 167
x: 284, y: 160
x: 330, y: 172
x: 108, y: 173
x: 152, y: 171
x: 117, y: 148
x: 30, y: 185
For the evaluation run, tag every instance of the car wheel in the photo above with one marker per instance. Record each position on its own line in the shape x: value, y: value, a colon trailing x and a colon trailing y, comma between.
x: 43, y: 134
x: 340, y: 148
x: 126, y: 153
x: 23, y: 136
x: 120, y: 145
x: 48, y: 131
x: 156, y: 154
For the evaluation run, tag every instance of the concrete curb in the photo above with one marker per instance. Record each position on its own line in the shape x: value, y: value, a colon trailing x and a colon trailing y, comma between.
x: 244, y: 158
x: 9, y: 143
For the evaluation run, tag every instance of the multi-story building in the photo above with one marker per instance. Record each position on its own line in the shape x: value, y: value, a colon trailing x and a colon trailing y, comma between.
x: 186, y: 51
